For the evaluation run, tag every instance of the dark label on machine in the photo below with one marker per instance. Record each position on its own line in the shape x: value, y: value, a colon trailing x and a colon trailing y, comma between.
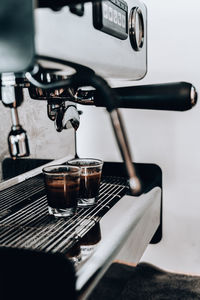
x: 111, y: 17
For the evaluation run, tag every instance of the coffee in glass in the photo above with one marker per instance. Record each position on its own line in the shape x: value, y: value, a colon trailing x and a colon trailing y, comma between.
x: 90, y: 178
x: 62, y: 187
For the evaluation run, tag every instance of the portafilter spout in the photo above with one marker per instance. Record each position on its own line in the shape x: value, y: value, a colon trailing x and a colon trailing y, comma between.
x: 60, y: 109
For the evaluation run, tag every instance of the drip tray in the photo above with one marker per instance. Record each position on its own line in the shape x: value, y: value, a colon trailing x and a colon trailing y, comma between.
x: 107, y: 228
x: 25, y: 223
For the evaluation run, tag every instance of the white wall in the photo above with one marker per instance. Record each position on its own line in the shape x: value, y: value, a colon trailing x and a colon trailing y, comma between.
x: 169, y: 139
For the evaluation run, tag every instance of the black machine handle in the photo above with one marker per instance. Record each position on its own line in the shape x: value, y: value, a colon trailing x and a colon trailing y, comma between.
x: 178, y: 96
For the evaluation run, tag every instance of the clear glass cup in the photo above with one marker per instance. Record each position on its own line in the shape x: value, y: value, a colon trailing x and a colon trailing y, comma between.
x: 90, y: 178
x: 62, y: 184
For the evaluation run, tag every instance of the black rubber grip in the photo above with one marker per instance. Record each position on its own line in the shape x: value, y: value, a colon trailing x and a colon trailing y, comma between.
x: 178, y: 96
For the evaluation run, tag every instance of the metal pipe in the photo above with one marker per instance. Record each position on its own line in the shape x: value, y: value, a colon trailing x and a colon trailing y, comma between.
x: 124, y: 148
x: 14, y: 116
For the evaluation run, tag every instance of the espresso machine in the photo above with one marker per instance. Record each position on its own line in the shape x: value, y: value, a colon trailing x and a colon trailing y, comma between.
x: 85, y: 35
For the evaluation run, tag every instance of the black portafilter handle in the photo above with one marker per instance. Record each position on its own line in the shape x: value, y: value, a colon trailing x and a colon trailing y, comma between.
x: 178, y: 96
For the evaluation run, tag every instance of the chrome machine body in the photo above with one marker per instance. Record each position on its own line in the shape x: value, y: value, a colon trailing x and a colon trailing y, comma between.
x: 117, y: 49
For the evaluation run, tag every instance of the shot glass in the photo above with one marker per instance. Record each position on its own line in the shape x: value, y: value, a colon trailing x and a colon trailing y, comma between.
x: 90, y: 178
x: 62, y: 187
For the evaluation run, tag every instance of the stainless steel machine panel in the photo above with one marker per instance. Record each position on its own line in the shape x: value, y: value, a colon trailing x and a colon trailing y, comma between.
x: 68, y: 36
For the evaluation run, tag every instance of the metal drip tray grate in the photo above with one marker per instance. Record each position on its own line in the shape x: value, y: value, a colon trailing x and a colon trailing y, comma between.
x: 25, y: 223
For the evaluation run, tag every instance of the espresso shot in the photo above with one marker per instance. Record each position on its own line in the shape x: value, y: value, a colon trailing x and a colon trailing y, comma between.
x: 60, y: 194
x: 62, y: 187
x: 89, y: 185
x: 90, y: 178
